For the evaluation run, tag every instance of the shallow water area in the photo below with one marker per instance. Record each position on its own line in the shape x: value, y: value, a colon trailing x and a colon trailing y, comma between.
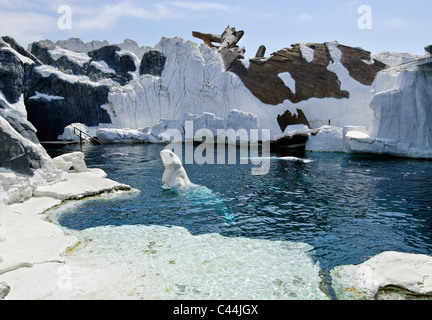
x: 335, y: 210
x: 154, y: 262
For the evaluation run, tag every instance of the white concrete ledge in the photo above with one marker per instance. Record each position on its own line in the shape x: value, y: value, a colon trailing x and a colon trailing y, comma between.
x: 32, y: 249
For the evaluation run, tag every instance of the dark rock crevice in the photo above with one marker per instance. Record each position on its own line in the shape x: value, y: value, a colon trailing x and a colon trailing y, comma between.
x: 12, y: 76
x: 153, y: 63
x: 286, y: 119
x: 82, y: 103
x: 16, y: 156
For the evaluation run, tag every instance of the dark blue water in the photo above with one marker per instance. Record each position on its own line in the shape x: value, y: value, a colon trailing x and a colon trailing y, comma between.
x: 348, y: 207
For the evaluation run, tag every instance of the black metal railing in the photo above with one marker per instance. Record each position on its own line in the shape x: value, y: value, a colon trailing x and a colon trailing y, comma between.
x: 85, y: 137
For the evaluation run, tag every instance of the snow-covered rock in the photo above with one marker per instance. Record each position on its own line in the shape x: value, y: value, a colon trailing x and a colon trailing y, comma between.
x: 71, y: 162
x: 102, y: 66
x: 15, y: 67
x: 29, y: 240
x: 78, y: 58
x: 402, y: 117
x: 77, y: 45
x: 357, y: 140
x: 43, y: 96
x: 25, y: 164
x: 193, y: 81
x: 412, y: 272
x: 14, y: 187
x: 8, y: 47
x: 78, y: 185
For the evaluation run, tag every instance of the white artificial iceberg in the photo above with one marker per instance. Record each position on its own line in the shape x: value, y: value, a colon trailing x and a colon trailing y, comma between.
x: 402, y: 109
x: 402, y: 117
x: 392, y: 114
x: 160, y: 131
x: 194, y: 81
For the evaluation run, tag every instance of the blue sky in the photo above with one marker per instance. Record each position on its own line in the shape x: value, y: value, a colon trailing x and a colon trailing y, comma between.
x: 396, y: 25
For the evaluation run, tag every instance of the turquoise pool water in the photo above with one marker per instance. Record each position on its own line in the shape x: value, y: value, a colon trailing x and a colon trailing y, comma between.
x: 347, y: 207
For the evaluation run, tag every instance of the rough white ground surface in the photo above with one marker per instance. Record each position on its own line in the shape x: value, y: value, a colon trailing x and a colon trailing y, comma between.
x: 32, y: 249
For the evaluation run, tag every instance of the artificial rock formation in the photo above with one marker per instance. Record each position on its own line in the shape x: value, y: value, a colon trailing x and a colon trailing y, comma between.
x: 73, y: 82
x: 308, y: 67
x: 21, y: 152
x: 229, y: 38
x: 127, y: 86
x: 13, y: 71
x: 288, y: 119
x: 50, y: 111
x: 360, y: 65
x: 306, y: 64
x: 260, y: 52
x: 152, y: 63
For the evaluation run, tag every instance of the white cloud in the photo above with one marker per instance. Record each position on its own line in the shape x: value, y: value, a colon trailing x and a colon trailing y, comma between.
x: 28, y: 21
x: 396, y: 24
x: 199, y: 6
x: 204, y: 6
x: 7, y: 4
x: 304, y: 18
x: 106, y: 17
x: 25, y: 27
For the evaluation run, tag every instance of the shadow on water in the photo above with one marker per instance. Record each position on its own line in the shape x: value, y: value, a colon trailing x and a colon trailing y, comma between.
x: 348, y: 207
